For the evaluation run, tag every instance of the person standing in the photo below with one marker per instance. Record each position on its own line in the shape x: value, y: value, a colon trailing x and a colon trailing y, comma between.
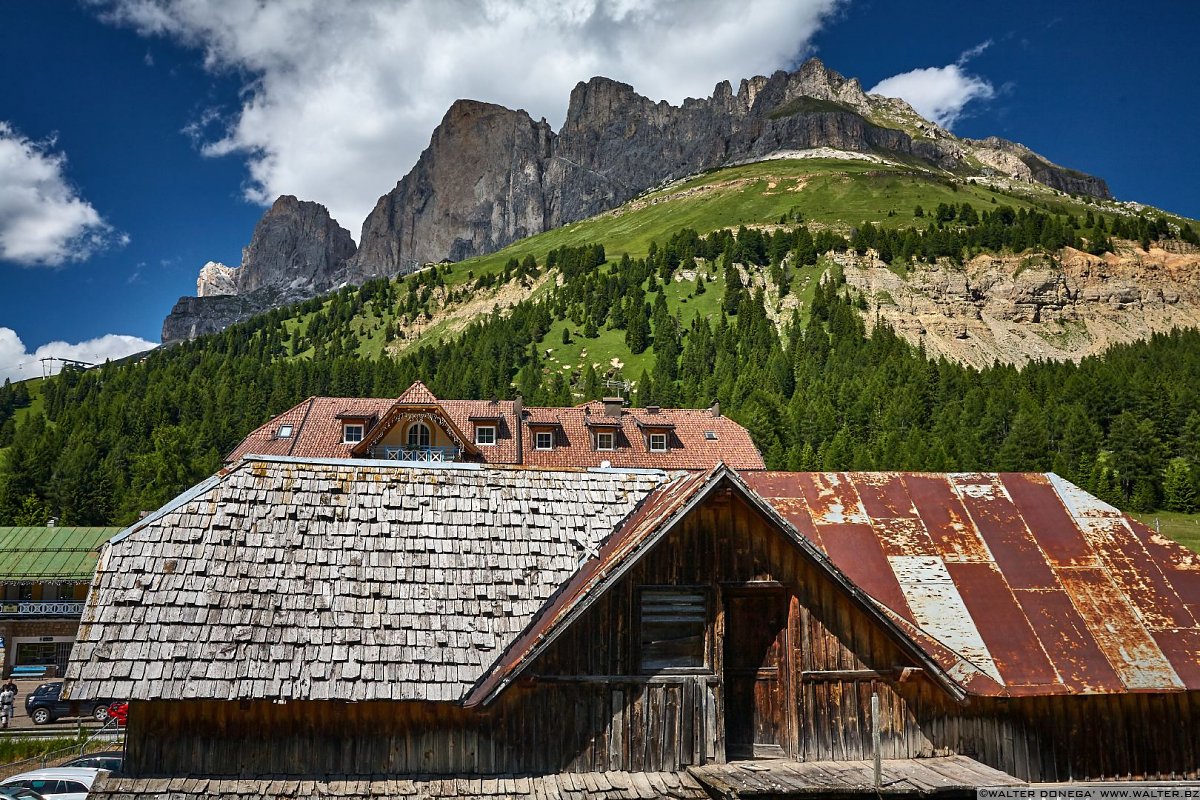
x: 8, y: 694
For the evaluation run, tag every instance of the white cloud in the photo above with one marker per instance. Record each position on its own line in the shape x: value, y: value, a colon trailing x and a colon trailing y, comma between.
x: 940, y: 93
x: 972, y: 52
x: 43, y: 220
x: 17, y: 364
x: 340, y: 98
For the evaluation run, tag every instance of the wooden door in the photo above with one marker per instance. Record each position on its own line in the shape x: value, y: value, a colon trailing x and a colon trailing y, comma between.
x: 755, y: 672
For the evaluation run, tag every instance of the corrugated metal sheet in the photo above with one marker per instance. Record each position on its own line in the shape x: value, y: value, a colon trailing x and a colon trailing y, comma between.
x: 939, y: 610
x: 1027, y: 579
x: 50, y: 555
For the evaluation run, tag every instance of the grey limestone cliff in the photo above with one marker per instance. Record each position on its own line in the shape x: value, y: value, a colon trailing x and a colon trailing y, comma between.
x: 492, y: 175
x: 297, y: 251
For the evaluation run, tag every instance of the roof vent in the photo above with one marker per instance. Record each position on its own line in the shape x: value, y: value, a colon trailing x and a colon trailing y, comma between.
x: 710, y: 435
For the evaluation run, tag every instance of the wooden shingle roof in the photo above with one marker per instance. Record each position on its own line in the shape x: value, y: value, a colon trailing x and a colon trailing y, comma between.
x: 571, y: 786
x: 338, y: 580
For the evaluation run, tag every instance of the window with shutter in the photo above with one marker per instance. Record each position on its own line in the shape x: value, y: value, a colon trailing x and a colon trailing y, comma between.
x: 673, y: 623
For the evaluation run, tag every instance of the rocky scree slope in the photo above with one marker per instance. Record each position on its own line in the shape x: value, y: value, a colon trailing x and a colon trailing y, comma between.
x: 1022, y: 308
x: 492, y: 175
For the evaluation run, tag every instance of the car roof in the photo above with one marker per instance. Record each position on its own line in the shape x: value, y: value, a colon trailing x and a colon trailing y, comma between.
x: 60, y: 773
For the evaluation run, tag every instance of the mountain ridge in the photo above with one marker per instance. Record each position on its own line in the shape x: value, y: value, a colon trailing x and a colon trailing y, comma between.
x: 492, y: 175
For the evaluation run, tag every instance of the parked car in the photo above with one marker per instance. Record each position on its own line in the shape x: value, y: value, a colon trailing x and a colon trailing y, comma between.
x: 119, y: 710
x: 45, y: 704
x: 111, y: 760
x: 56, y: 783
x: 18, y: 793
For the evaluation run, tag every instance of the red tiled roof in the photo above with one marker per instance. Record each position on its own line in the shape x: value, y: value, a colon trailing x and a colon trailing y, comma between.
x: 417, y: 393
x: 688, y: 447
x: 316, y: 429
x: 317, y: 433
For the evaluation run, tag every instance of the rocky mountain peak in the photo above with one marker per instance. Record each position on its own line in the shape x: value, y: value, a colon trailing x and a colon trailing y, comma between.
x: 297, y: 251
x: 492, y: 175
x: 601, y: 100
x: 296, y: 243
x: 216, y: 279
x: 814, y: 79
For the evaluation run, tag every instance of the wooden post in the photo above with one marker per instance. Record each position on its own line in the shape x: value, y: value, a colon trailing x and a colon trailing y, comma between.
x: 875, y: 740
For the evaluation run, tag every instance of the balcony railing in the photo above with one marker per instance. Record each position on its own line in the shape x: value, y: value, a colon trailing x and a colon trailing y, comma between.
x: 426, y: 454
x: 50, y: 609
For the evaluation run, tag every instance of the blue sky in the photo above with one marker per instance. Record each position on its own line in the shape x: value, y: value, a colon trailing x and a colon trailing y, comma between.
x: 141, y: 138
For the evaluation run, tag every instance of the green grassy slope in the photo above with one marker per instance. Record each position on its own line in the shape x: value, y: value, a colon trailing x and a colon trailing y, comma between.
x: 833, y: 193
x: 1183, y: 528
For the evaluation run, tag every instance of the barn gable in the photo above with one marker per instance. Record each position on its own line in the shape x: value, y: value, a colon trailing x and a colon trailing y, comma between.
x: 660, y: 515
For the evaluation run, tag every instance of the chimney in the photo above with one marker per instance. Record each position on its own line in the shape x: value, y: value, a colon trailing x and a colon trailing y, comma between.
x: 652, y: 409
x: 519, y: 424
x: 715, y: 409
x: 52, y: 522
x: 613, y: 406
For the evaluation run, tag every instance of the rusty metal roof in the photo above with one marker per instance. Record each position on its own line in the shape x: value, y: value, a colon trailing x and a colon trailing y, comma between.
x: 1038, y: 587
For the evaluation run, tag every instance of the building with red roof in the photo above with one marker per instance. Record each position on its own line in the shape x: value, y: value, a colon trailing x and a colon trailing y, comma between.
x: 419, y: 427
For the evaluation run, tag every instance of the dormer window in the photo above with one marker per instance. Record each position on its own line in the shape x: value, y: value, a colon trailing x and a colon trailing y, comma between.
x: 418, y: 435
x: 284, y: 432
x: 605, y: 440
x: 351, y: 433
x: 485, y: 434
x: 543, y: 440
x: 658, y: 443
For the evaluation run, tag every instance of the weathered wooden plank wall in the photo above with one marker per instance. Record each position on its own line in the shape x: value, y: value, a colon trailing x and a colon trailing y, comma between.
x: 1064, y: 738
x: 583, y: 707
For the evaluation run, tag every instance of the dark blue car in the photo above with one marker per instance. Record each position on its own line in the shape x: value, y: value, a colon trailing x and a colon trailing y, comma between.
x: 45, y: 704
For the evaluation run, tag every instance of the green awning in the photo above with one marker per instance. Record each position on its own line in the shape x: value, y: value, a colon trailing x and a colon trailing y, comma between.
x: 51, y: 555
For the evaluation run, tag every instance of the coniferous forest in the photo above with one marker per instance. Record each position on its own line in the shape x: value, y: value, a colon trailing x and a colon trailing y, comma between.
x: 819, y: 392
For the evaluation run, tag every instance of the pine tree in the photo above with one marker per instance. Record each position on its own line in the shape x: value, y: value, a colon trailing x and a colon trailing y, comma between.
x: 733, y: 286
x: 637, y: 333
x: 1179, y: 487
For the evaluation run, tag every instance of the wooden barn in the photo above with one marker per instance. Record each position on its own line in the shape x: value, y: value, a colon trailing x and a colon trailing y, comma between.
x: 358, y: 629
